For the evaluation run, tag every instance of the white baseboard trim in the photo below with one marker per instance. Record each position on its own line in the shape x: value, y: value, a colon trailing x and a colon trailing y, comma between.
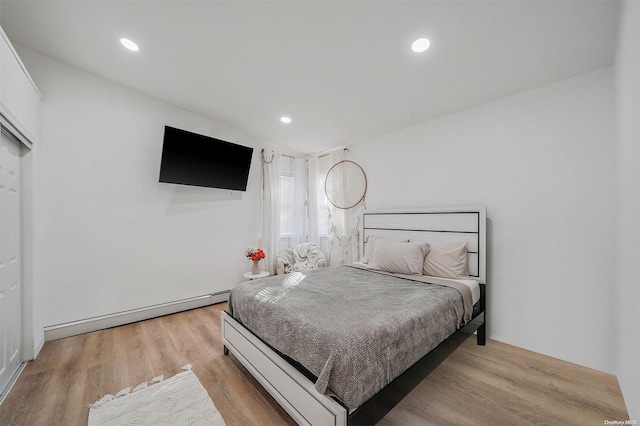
x: 60, y: 331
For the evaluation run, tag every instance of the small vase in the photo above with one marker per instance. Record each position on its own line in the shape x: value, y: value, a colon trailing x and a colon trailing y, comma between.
x: 255, y: 269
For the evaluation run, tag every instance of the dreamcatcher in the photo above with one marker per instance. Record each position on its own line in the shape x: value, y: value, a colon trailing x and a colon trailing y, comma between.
x: 345, y: 187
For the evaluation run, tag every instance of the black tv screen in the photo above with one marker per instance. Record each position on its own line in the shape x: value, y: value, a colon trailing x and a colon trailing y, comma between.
x: 192, y: 159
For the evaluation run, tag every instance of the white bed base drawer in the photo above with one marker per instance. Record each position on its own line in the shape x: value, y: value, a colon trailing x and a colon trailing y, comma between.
x: 293, y: 391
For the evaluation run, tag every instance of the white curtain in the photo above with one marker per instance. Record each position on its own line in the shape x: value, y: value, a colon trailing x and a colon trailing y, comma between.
x: 291, y: 212
x: 344, y: 233
x: 312, y: 179
x: 299, y: 202
x: 270, y: 207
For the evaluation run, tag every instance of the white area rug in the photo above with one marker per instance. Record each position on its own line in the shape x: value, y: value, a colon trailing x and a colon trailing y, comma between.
x: 180, y: 400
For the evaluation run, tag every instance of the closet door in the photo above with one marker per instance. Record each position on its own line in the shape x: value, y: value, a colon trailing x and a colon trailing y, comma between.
x: 10, y: 259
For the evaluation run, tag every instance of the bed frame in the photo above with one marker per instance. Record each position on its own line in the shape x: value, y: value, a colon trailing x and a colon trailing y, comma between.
x: 296, y: 393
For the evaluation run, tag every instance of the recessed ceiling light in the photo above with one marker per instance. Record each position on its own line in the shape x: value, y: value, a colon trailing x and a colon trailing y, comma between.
x: 129, y: 44
x: 420, y: 45
x: 285, y: 119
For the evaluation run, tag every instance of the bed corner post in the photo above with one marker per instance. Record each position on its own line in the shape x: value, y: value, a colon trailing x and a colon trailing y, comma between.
x: 481, y: 333
x: 223, y: 329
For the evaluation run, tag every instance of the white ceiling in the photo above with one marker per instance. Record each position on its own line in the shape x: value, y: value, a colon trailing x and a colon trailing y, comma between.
x: 342, y: 70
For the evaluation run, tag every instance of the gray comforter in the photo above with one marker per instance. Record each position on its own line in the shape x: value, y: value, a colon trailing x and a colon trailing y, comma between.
x: 355, y: 330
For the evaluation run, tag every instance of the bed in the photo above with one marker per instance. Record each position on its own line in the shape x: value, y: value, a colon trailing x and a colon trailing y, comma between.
x: 343, y: 345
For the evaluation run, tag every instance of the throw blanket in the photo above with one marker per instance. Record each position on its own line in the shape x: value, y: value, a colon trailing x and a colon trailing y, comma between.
x: 303, y: 257
x: 355, y: 330
x: 305, y: 254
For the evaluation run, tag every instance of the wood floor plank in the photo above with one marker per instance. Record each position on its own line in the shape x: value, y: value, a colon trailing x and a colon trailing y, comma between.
x: 500, y: 384
x: 495, y: 384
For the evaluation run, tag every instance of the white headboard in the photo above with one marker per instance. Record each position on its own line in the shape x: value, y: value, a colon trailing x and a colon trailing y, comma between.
x: 431, y: 225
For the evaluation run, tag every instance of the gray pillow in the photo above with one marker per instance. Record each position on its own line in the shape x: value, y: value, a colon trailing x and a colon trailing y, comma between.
x: 399, y: 258
x: 370, y: 246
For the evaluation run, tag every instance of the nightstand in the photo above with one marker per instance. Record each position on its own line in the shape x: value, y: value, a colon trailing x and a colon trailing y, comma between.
x: 251, y: 276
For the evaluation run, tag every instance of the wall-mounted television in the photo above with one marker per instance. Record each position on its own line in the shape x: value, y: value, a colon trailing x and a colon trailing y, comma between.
x: 192, y: 159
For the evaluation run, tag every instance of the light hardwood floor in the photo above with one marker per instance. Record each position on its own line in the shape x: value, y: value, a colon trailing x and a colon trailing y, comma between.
x: 496, y: 384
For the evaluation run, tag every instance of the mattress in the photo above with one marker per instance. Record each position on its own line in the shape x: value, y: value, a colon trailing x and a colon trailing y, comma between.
x: 355, y: 330
x: 473, y: 285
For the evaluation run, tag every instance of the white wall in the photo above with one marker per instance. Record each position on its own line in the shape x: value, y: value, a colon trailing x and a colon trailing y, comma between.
x: 110, y: 236
x: 542, y: 162
x: 627, y: 295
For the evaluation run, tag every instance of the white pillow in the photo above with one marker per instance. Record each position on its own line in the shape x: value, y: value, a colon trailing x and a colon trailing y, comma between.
x: 399, y: 258
x: 371, y: 245
x: 447, y: 260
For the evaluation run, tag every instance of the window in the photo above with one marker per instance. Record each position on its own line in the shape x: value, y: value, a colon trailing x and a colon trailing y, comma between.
x: 286, y: 204
x: 293, y: 196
